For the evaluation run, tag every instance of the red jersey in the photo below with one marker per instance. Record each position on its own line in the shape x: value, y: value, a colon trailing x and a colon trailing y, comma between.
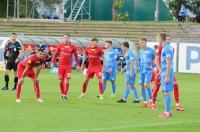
x: 94, y: 55
x: 32, y: 61
x: 66, y: 51
x: 158, y: 53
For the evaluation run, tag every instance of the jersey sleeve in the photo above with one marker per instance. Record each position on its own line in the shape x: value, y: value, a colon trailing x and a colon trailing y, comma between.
x: 75, y: 55
x: 168, y: 52
x: 19, y: 46
x: 56, y: 54
x: 101, y: 53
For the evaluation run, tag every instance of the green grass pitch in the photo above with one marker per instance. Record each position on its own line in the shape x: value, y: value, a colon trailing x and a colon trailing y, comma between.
x: 91, y: 114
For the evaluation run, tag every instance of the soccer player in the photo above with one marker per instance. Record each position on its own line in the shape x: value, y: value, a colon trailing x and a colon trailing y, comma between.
x: 110, y: 70
x: 12, y: 55
x: 146, y: 60
x: 94, y: 53
x: 157, y: 81
x: 130, y: 73
x: 66, y: 50
x: 26, y: 69
x: 166, y: 73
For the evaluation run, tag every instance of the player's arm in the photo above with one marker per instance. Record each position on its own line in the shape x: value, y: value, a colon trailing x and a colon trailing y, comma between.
x: 19, y: 48
x: 131, y: 67
x: 55, y: 56
x: 84, y: 59
x: 76, y: 58
x: 39, y: 68
x: 157, y: 58
x: 168, y: 67
x: 5, y: 52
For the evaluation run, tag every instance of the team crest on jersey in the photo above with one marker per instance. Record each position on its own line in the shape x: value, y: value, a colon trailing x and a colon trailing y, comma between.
x: 66, y: 46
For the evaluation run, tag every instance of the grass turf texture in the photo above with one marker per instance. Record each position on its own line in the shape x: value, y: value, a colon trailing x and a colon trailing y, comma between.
x: 91, y: 114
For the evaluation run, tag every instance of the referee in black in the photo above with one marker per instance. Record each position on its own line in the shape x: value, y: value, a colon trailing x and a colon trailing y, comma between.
x: 12, y: 54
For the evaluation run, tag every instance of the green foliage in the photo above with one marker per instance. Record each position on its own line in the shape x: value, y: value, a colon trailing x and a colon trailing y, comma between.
x: 118, y: 4
x: 123, y: 16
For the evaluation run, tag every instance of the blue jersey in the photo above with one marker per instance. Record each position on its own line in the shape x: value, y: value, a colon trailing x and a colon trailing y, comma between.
x: 167, y: 52
x: 110, y: 57
x: 146, y: 57
x: 130, y: 56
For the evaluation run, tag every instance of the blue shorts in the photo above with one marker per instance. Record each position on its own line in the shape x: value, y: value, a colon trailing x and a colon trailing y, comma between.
x: 110, y: 76
x: 145, y: 78
x: 167, y: 87
x: 129, y: 79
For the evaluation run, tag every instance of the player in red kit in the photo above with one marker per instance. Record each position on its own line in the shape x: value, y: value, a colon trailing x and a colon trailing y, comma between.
x: 157, y: 83
x: 66, y: 50
x: 94, y: 53
x: 26, y: 69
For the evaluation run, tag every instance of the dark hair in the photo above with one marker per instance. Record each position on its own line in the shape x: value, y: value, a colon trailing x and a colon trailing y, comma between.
x: 125, y: 44
x: 13, y: 34
x: 95, y: 39
x: 68, y: 34
x: 108, y: 41
x: 143, y: 39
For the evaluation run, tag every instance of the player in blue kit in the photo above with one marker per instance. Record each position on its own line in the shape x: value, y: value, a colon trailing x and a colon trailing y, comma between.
x: 110, y: 69
x: 130, y: 73
x: 146, y: 61
x: 166, y: 73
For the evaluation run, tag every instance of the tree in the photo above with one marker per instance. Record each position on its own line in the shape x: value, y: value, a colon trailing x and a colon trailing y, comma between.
x: 117, y: 4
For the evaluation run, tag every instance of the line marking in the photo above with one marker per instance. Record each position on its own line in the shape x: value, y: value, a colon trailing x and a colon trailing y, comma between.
x: 132, y: 126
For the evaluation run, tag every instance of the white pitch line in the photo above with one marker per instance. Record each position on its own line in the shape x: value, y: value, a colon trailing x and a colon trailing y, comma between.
x: 132, y: 126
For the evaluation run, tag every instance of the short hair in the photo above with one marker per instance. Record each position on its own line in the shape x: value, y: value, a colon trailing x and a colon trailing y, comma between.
x: 108, y: 41
x: 95, y: 39
x: 125, y: 44
x: 143, y: 39
x: 162, y: 36
x: 13, y: 34
x: 67, y: 34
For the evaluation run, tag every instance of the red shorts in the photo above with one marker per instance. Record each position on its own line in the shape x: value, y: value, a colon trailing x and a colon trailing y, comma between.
x: 91, y: 71
x: 64, y: 73
x: 30, y: 73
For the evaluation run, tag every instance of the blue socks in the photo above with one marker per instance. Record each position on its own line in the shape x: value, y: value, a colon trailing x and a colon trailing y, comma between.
x: 168, y: 101
x: 104, y: 87
x: 113, y: 88
x: 149, y: 91
x: 135, y: 93
x: 127, y: 90
x: 144, y: 94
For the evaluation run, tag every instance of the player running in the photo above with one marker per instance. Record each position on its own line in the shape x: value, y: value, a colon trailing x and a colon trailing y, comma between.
x: 146, y: 60
x: 110, y: 70
x: 130, y: 74
x: 94, y: 53
x: 157, y: 81
x: 66, y: 50
x: 26, y: 69
x: 166, y: 73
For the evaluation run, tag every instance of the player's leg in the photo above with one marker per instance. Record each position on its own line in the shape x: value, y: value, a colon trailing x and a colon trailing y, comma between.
x: 143, y: 90
x: 61, y: 79
x: 99, y: 76
x: 105, y: 78
x: 113, y: 81
x: 135, y: 92
x: 9, y: 67
x: 176, y: 96
x: 167, y: 89
x: 155, y: 92
x: 19, y: 84
x: 84, y: 87
x: 67, y: 77
x: 32, y: 75
x: 15, y: 76
x: 147, y: 82
x: 129, y: 81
